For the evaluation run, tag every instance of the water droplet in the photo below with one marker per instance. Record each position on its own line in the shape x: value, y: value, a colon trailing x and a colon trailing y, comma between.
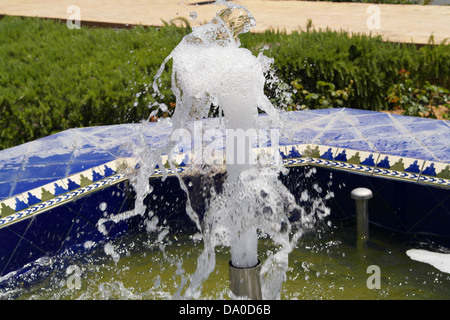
x: 102, y: 206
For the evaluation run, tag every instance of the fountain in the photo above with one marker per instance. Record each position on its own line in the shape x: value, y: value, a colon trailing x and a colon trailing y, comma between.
x: 235, y: 189
x: 211, y: 70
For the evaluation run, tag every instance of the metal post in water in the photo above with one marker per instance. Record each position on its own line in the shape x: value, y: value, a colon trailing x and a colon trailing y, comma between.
x: 244, y: 282
x: 362, y: 196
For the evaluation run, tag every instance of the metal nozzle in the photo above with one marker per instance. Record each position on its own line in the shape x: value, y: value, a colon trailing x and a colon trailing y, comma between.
x: 244, y: 282
x: 362, y: 196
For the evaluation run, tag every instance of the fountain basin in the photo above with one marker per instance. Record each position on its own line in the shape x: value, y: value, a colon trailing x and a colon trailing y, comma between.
x: 54, y: 190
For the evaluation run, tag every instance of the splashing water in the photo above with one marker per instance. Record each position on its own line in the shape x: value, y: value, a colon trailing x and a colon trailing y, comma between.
x: 211, y: 70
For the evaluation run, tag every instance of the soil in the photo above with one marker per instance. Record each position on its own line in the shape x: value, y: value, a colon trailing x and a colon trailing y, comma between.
x: 439, y: 111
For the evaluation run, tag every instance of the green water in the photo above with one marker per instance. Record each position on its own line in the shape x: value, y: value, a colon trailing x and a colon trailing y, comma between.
x: 326, y: 264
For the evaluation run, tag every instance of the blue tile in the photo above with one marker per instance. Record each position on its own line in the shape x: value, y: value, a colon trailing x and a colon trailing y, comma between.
x: 383, y: 131
x: 434, y: 139
x: 57, y: 148
x: 301, y: 136
x: 80, y: 232
x: 19, y: 227
x: 80, y: 166
x: 91, y: 210
x: 432, y: 125
x: 82, y: 133
x: 25, y: 185
x: 441, y: 152
x: 108, y: 171
x: 369, y: 160
x: 9, y: 172
x: 423, y: 154
x: 121, y: 151
x: 431, y: 134
x: 19, y: 204
x: 25, y: 252
x: 356, y: 112
x: 373, y: 120
x: 49, y: 171
x: 49, y: 229
x: 5, y: 189
x: 342, y: 122
x: 391, y: 144
x: 300, y: 116
x: 9, y: 241
x: 329, y: 136
x: 50, y: 159
x: 76, y: 204
x: 360, y: 145
x: 14, y: 156
x: 92, y: 154
x: 404, y: 120
x: 110, y: 133
x: 325, y: 111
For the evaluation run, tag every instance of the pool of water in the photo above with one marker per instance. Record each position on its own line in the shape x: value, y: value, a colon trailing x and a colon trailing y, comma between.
x: 326, y: 264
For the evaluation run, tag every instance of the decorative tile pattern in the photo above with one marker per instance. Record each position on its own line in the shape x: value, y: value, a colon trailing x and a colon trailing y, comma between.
x: 354, y: 160
x: 435, y: 173
x: 47, y: 172
x: 398, y: 168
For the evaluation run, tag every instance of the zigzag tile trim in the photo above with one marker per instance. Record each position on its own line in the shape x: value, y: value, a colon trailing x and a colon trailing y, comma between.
x: 48, y: 196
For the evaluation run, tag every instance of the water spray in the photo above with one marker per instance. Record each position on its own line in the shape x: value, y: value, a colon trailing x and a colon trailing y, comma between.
x: 210, y: 69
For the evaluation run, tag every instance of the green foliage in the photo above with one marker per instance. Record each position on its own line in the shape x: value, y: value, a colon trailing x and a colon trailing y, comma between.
x: 417, y: 101
x: 53, y: 78
x: 338, y: 58
x: 325, y: 96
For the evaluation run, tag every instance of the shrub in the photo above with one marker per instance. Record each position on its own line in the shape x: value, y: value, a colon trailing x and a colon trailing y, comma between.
x: 338, y: 58
x: 53, y: 78
x: 417, y: 101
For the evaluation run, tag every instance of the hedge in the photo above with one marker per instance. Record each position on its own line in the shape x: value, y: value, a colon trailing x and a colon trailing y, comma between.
x: 53, y: 78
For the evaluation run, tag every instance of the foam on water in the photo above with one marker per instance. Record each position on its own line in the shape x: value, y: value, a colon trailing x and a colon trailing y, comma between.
x: 440, y: 261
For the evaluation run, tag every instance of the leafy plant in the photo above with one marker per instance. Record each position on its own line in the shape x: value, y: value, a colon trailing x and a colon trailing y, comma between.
x: 338, y: 57
x: 53, y: 78
x: 417, y: 101
x: 326, y: 96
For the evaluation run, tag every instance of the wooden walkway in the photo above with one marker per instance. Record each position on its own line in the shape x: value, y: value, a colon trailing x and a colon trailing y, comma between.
x: 399, y: 23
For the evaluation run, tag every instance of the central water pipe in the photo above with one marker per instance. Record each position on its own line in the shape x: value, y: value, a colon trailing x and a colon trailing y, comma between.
x: 245, y: 282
